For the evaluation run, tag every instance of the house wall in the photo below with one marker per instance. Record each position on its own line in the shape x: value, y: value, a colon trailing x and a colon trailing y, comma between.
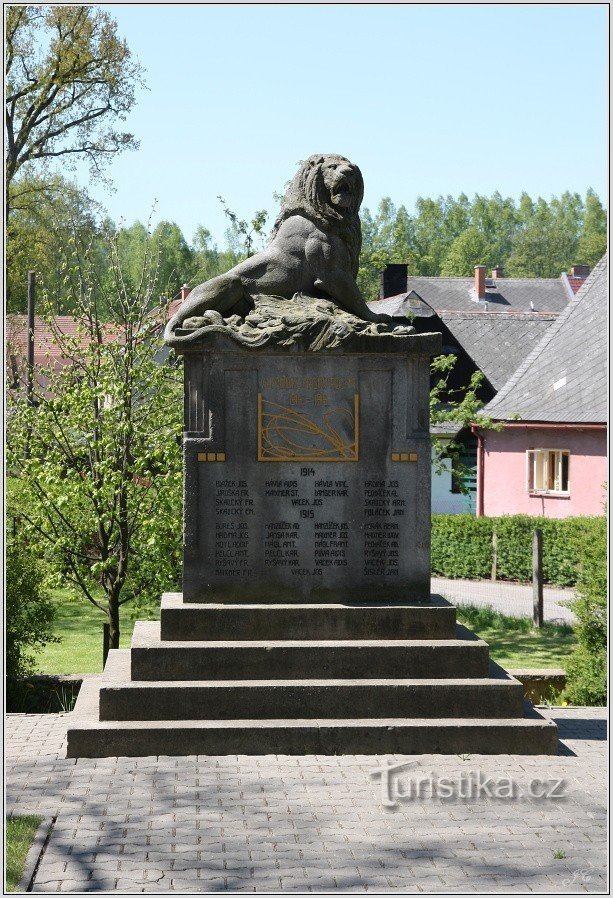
x: 443, y: 500
x: 504, y: 472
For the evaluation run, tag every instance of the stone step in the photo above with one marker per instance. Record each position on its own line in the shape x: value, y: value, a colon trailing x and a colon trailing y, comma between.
x: 89, y: 737
x: 153, y: 659
x: 495, y: 696
x: 190, y: 621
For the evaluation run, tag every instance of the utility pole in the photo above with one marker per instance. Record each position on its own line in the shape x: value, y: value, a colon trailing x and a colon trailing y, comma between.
x: 30, y: 372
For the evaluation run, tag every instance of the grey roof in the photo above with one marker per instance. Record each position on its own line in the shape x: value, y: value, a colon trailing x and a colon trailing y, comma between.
x: 497, y: 340
x: 497, y: 343
x: 509, y: 294
x: 403, y: 304
x: 564, y: 379
x: 446, y: 428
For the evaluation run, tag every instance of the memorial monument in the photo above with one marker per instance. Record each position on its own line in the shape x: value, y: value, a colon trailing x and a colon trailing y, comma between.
x: 306, y: 623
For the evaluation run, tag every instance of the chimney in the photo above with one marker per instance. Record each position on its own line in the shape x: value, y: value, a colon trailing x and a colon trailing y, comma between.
x: 480, y: 281
x: 393, y: 280
x: 185, y: 291
x: 497, y: 273
x: 580, y: 271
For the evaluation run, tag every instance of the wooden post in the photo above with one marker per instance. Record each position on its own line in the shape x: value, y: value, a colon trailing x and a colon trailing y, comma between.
x: 537, y: 577
x: 494, y: 555
x: 30, y: 372
x: 106, y: 641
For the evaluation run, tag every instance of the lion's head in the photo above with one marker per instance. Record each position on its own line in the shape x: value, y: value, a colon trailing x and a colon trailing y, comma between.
x: 328, y: 189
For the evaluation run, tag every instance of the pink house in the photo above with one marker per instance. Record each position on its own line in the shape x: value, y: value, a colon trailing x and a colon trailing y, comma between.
x: 550, y: 458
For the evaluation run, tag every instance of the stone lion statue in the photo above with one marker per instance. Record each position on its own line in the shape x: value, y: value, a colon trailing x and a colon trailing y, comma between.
x: 314, y: 250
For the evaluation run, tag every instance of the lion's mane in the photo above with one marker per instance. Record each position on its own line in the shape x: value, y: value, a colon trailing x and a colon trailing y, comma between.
x: 307, y: 195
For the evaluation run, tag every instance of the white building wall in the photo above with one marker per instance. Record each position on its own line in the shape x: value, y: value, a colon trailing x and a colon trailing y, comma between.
x: 443, y: 500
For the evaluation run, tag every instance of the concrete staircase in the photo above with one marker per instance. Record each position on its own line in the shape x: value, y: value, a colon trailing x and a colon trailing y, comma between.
x: 305, y: 679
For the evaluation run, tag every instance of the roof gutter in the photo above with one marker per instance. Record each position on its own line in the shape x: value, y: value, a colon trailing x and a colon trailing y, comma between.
x: 548, y: 425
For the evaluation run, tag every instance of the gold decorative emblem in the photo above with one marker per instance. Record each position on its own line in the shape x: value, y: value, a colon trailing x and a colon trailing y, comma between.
x: 323, y: 433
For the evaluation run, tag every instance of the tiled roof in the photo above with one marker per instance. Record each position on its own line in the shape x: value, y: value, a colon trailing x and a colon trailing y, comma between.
x: 48, y: 354
x: 509, y: 294
x: 564, y: 379
x: 497, y: 343
x: 45, y: 343
x: 174, y: 305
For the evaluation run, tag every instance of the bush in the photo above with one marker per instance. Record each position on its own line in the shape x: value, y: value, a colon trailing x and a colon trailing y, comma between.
x: 587, y: 666
x: 462, y: 546
x: 29, y: 614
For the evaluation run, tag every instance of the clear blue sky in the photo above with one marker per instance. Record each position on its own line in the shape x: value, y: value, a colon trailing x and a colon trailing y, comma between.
x: 427, y: 100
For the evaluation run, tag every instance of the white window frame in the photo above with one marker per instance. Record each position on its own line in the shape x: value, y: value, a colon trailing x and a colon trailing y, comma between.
x: 551, y: 481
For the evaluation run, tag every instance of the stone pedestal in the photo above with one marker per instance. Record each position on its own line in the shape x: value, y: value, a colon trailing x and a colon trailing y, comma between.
x: 306, y: 623
x: 307, y: 475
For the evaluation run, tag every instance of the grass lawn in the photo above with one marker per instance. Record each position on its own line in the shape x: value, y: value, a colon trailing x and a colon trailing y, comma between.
x: 514, y: 642
x: 79, y: 624
x: 20, y: 832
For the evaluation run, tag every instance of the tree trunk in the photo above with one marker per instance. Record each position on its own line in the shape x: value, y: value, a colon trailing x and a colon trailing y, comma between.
x: 113, y: 613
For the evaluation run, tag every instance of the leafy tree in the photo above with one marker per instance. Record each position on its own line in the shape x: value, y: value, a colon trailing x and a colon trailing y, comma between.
x: 29, y: 611
x: 437, y: 224
x: 470, y: 248
x: 98, y: 458
x: 242, y: 235
x: 497, y: 219
x: 457, y: 406
x: 387, y: 238
x: 593, y: 239
x: 547, y: 244
x: 208, y: 260
x: 132, y: 243
x: 39, y: 234
x: 69, y: 79
x: 175, y: 257
x: 166, y: 244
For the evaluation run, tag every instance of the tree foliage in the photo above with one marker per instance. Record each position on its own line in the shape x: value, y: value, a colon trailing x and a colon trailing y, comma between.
x: 470, y: 248
x: 29, y: 611
x: 448, y: 236
x: 69, y: 79
x: 48, y: 215
x: 98, y: 458
x: 459, y: 407
x: 593, y: 239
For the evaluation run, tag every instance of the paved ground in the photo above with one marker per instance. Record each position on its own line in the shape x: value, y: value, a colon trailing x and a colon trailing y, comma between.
x: 510, y: 598
x: 312, y: 823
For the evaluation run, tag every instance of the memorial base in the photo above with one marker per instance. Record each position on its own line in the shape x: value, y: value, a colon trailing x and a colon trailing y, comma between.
x: 303, y: 678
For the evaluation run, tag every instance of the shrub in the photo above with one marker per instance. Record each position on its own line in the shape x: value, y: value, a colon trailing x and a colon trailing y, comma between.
x: 462, y: 546
x: 587, y: 666
x: 29, y: 613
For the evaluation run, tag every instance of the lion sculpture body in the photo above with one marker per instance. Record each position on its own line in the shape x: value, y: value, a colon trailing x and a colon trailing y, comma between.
x: 314, y: 250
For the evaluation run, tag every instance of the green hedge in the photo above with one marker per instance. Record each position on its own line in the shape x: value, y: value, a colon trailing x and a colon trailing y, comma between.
x: 462, y: 546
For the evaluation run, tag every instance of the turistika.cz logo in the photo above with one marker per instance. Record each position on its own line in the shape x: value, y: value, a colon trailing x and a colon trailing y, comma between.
x: 397, y: 786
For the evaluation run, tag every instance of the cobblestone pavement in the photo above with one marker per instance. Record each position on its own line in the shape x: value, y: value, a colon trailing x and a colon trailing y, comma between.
x: 311, y: 823
x: 510, y: 598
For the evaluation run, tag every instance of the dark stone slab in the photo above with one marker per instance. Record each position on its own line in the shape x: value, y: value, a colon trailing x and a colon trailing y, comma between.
x: 153, y: 659
x: 307, y: 475
x: 435, y: 619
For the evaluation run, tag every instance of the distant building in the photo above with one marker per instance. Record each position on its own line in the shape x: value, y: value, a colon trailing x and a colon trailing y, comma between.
x: 550, y: 458
x: 491, y: 325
